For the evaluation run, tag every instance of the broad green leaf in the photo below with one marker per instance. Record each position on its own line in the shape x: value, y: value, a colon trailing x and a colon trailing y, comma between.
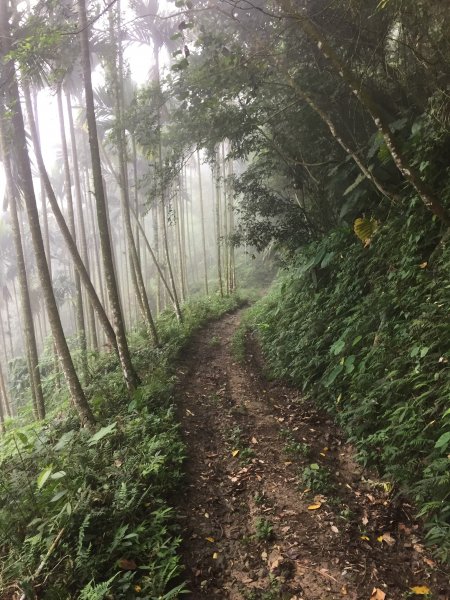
x: 64, y: 440
x: 101, y: 433
x: 333, y: 374
x: 443, y: 440
x: 327, y: 259
x: 22, y: 437
x: 58, y: 475
x: 58, y: 496
x: 337, y: 347
x: 43, y: 476
x: 424, y: 351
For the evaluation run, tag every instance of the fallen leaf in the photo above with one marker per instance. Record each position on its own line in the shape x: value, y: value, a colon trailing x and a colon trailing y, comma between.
x: 377, y: 594
x: 364, y: 537
x: 215, y: 555
x: 380, y: 539
x: 386, y: 537
x: 365, y: 519
x: 429, y: 562
x: 210, y: 539
x: 206, y: 516
x: 421, y: 590
x: 254, y: 440
x: 423, y: 265
x: 235, y: 453
x: 127, y: 565
x: 314, y: 506
x: 344, y: 591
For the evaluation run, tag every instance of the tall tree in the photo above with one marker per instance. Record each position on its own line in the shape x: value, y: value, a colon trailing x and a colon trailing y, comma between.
x: 131, y: 377
x: 26, y: 183
x: 27, y: 315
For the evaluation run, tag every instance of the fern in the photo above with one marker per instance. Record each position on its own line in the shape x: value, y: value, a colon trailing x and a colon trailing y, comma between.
x: 98, y: 591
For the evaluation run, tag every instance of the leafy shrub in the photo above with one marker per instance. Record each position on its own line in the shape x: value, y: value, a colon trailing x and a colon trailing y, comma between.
x: 93, y: 508
x: 364, y: 331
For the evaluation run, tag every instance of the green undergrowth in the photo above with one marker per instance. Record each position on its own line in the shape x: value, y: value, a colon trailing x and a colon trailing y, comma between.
x: 87, y: 515
x: 365, y: 332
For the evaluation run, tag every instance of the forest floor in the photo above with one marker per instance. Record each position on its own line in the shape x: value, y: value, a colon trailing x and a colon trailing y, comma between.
x: 274, y: 504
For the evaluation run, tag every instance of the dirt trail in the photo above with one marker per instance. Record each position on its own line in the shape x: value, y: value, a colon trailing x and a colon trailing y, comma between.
x: 248, y: 532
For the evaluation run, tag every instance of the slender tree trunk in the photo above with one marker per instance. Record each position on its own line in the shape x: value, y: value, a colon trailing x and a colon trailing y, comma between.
x: 202, y: 219
x: 218, y: 224
x: 133, y: 256
x: 179, y: 245
x: 26, y: 179
x: 231, y: 245
x: 71, y: 245
x: 162, y: 191
x: 27, y: 315
x: 2, y: 414
x: 81, y: 222
x: 79, y: 311
x: 365, y: 97
x: 308, y: 98
x: 130, y: 374
x: 4, y: 394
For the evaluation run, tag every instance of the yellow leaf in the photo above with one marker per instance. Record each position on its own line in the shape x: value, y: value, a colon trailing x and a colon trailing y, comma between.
x: 314, y: 506
x: 423, y: 265
x: 137, y: 589
x: 210, y: 539
x: 235, y: 453
x: 380, y: 538
x: 364, y: 537
x: 215, y: 555
x: 377, y: 594
x: 365, y: 228
x: 421, y: 590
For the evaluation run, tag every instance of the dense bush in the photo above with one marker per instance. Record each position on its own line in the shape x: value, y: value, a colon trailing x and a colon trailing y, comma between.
x: 364, y: 331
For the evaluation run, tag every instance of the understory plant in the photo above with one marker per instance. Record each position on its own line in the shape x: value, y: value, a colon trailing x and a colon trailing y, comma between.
x: 88, y: 515
x: 363, y: 330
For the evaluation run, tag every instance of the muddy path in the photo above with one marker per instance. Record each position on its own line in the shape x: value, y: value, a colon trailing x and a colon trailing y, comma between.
x: 274, y: 506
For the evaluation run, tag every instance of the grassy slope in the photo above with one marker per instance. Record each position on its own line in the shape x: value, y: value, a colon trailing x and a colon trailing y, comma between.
x: 365, y: 332
x: 100, y: 502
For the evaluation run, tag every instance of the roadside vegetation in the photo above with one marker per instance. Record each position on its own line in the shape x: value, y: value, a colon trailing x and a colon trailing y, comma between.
x: 363, y: 332
x: 84, y: 514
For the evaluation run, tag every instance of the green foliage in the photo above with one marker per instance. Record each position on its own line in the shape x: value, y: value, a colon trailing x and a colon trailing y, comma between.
x: 316, y: 478
x: 364, y: 332
x: 97, y: 504
x: 264, y: 530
